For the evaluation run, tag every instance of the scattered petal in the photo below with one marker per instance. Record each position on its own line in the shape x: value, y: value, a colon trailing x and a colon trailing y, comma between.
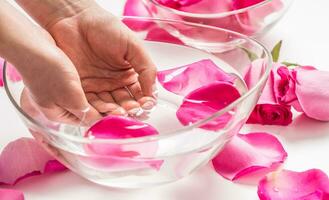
x: 205, y: 101
x: 8, y: 194
x: 247, y: 154
x: 161, y: 35
x: 23, y: 158
x: 136, y: 8
x: 312, y: 92
x: 122, y: 156
x: 312, y: 184
x: 182, y: 80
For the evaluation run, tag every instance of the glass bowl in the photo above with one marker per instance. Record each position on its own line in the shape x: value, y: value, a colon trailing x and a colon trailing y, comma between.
x: 177, y: 150
x: 253, y: 21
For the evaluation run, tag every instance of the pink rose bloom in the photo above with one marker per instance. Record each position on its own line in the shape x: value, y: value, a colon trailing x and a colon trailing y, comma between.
x: 312, y: 92
x: 268, y: 110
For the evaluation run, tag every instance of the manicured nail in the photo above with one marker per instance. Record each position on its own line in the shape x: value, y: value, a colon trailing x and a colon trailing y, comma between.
x: 148, y: 105
x: 154, y: 91
x: 135, y: 112
x: 119, y: 111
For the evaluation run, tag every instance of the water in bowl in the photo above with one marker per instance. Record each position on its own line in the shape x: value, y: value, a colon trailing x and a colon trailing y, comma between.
x: 159, y: 161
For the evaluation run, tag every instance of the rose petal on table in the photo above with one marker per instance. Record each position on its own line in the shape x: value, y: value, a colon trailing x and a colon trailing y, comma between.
x: 136, y: 8
x: 23, y: 158
x: 247, y: 154
x: 8, y: 194
x: 161, y: 35
x: 268, y: 111
x: 206, y: 101
x: 11, y: 72
x: 312, y: 184
x: 312, y: 92
x: 182, y: 80
x: 116, y: 156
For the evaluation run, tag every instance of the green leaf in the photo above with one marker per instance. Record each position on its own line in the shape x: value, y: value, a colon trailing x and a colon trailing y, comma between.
x: 276, y: 51
x: 251, y: 55
x: 288, y: 64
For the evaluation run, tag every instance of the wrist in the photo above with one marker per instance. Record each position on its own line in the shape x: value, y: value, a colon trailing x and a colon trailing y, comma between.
x: 49, y: 12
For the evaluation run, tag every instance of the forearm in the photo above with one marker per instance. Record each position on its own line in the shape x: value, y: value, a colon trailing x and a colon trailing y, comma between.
x: 48, y: 12
x: 21, y: 41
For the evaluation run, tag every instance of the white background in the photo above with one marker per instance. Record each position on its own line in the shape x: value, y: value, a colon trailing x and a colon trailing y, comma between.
x: 305, y: 32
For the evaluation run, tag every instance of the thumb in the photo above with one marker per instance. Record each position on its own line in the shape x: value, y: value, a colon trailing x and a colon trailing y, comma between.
x: 77, y: 104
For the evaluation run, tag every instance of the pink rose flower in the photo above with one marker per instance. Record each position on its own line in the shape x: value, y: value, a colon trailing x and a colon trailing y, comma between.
x: 177, y: 3
x: 269, y: 111
x: 11, y: 72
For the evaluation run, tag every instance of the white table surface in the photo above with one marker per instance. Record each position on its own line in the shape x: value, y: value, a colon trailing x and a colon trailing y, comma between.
x: 305, y: 32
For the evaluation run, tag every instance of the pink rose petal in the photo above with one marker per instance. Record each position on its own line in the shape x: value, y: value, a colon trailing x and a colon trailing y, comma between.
x: 177, y: 3
x: 182, y: 80
x: 8, y: 194
x: 161, y: 35
x: 312, y: 92
x: 312, y: 184
x: 205, y: 101
x: 268, y: 110
x: 253, y: 20
x: 136, y: 8
x: 239, y: 4
x: 23, y: 158
x: 247, y: 154
x: 122, y: 156
x: 12, y: 73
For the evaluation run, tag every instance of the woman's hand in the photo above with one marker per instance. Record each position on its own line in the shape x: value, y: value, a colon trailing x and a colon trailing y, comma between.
x: 114, y: 68
x: 52, y: 81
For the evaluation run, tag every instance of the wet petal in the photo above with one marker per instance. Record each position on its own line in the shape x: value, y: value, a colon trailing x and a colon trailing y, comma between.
x: 249, y: 154
x: 205, y: 101
x: 136, y: 8
x: 312, y: 92
x: 161, y: 35
x: 23, y: 158
x: 121, y: 156
x: 182, y: 80
x: 312, y: 184
x: 8, y: 194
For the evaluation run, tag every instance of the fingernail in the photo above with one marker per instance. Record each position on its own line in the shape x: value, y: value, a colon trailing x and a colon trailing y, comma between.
x: 148, y: 105
x: 135, y: 112
x: 119, y: 111
x: 154, y: 91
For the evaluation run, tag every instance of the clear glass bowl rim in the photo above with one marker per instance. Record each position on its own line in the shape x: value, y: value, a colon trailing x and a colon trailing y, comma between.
x: 160, y: 136
x: 208, y: 15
